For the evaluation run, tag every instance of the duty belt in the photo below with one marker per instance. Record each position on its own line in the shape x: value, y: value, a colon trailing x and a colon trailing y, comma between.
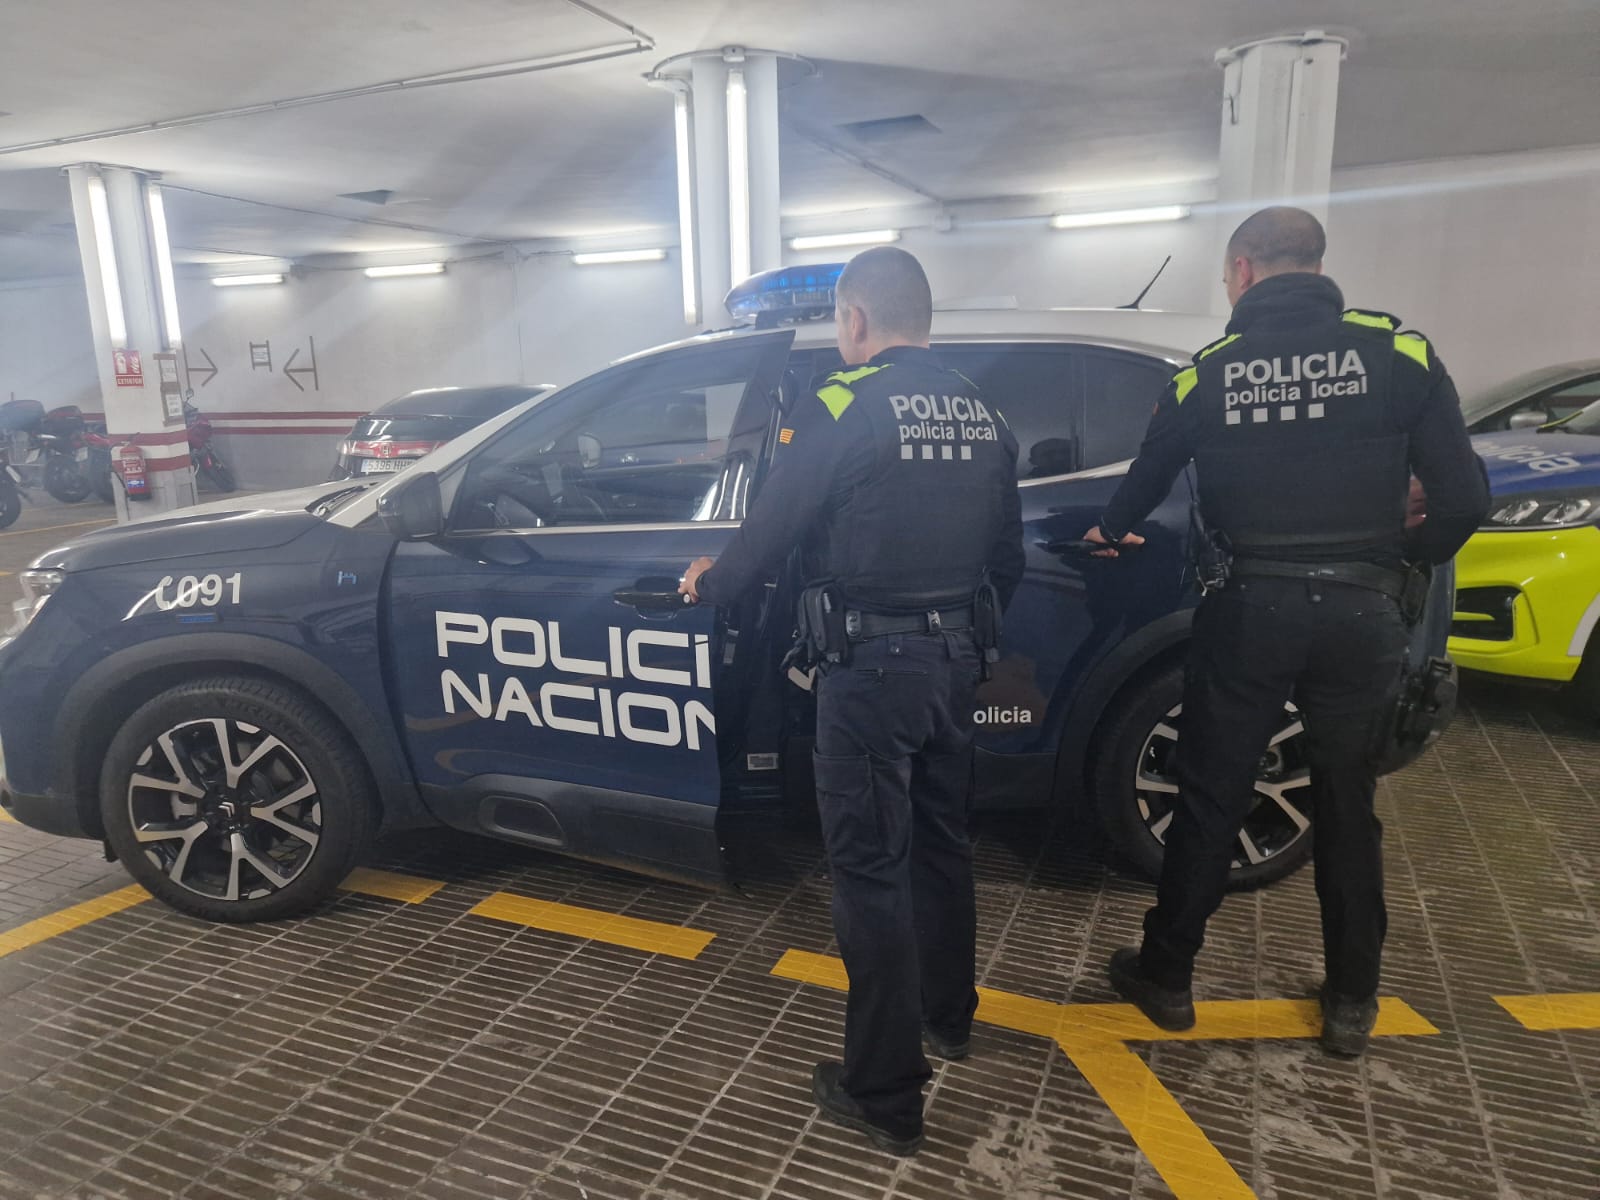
x: 1355, y: 574
x: 859, y: 626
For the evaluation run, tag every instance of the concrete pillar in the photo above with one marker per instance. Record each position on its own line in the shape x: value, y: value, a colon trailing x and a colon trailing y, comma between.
x: 1279, y: 101
x: 732, y: 106
x: 122, y: 244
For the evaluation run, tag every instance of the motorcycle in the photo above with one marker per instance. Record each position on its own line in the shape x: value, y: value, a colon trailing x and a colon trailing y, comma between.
x: 45, y: 449
x: 208, y: 463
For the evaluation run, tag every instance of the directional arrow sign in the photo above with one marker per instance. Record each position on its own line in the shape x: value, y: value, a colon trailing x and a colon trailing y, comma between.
x: 290, y: 370
x: 210, y: 370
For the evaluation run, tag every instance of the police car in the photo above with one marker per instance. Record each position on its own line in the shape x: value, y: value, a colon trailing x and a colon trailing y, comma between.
x: 237, y: 697
x: 1528, y: 584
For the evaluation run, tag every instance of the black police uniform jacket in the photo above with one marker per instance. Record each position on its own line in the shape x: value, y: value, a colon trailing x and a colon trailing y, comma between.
x: 899, y: 482
x: 1305, y: 424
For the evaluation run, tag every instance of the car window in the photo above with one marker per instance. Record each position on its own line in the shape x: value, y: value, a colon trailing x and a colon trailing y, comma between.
x: 649, y: 441
x: 1040, y: 393
x: 1121, y: 391
x: 1566, y: 404
x: 1545, y: 407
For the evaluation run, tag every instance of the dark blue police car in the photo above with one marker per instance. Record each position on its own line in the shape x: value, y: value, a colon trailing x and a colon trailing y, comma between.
x: 236, y: 698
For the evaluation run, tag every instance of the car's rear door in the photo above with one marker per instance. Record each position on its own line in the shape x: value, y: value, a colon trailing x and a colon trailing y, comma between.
x: 551, y: 689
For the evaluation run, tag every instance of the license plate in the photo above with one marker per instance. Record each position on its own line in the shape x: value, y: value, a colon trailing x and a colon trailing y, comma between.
x: 379, y: 466
x: 83, y: 454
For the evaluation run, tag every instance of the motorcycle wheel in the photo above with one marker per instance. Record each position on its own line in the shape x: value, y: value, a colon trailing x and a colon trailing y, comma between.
x: 10, y: 501
x: 65, y: 481
x: 105, y: 485
x: 218, y: 472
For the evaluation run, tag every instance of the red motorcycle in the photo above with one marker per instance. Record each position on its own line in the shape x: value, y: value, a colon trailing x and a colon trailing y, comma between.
x: 209, y: 466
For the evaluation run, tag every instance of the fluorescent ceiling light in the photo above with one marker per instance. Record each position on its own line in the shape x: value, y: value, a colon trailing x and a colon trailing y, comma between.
x: 823, y: 241
x: 738, y: 177
x: 432, y: 268
x: 680, y: 122
x: 106, y: 251
x: 163, y: 248
x: 1125, y: 216
x: 243, y: 280
x: 618, y: 256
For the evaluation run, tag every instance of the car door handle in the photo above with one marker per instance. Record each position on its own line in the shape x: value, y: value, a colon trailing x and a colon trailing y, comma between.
x: 649, y: 595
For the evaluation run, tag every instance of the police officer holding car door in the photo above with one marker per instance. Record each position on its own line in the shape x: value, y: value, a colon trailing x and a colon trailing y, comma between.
x: 1305, y: 424
x: 898, y: 482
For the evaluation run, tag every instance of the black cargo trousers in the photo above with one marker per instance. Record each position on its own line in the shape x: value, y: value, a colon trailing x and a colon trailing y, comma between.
x: 1338, y: 652
x: 894, y: 785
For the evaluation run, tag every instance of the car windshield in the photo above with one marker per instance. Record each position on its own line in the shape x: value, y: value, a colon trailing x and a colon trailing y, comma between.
x: 1516, y: 388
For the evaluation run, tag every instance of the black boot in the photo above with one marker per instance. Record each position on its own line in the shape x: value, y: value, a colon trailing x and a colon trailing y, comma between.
x: 1171, y: 1009
x: 844, y: 1108
x: 1347, y: 1023
x: 946, y: 1048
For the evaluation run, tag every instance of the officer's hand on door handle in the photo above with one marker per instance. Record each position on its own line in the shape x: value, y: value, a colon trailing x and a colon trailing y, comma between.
x: 1094, y: 535
x: 691, y: 578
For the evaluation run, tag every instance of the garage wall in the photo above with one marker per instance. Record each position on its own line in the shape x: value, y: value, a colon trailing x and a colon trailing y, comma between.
x: 1497, y: 259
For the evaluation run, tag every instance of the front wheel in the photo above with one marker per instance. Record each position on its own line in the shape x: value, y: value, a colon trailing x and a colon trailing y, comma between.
x: 1136, y: 786
x: 10, y: 501
x: 66, y: 481
x: 235, y: 799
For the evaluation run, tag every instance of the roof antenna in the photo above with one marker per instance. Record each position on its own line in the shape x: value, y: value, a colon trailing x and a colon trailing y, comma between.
x: 1140, y: 297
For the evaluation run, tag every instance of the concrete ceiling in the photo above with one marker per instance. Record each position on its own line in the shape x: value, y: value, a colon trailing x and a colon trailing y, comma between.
x: 1025, y: 98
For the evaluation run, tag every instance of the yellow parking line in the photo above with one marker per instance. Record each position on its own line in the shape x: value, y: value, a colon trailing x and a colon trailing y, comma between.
x: 5, y: 816
x: 1572, y: 1010
x: 68, y: 919
x: 1095, y: 1036
x: 412, y: 889
x: 53, y: 528
x: 653, y: 937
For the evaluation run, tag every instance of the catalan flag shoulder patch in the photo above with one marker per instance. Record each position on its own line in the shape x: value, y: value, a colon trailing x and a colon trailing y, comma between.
x: 785, y: 436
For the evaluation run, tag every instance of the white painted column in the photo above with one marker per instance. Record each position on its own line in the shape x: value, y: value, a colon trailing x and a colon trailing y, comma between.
x: 1279, y: 102
x: 729, y: 107
x: 122, y: 243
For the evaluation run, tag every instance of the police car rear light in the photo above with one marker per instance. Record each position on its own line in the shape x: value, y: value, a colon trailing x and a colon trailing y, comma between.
x: 786, y: 294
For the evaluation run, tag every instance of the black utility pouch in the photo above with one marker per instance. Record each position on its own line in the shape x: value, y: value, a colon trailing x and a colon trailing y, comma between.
x: 1414, y: 592
x: 986, y: 625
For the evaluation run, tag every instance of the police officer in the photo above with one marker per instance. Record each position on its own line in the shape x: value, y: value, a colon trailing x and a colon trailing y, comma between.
x: 1305, y: 424
x: 898, y: 481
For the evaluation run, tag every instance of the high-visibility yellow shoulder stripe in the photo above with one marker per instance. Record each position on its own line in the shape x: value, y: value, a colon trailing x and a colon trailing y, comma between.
x: 1216, y: 345
x: 1372, y: 320
x: 837, y: 397
x: 1413, y: 346
x: 1184, y: 382
x: 852, y: 376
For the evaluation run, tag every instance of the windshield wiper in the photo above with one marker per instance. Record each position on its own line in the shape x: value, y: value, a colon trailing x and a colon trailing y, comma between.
x: 333, y: 500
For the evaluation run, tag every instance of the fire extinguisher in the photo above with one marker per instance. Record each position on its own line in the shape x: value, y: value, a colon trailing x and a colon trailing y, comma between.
x: 130, y: 465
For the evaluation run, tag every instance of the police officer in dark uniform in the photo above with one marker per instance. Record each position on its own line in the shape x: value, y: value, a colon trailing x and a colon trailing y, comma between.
x: 898, y: 481
x: 1305, y: 424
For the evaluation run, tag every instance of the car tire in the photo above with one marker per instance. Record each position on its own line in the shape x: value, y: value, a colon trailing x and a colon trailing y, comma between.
x: 1586, y: 683
x: 236, y: 799
x: 1134, y: 786
x: 10, y: 503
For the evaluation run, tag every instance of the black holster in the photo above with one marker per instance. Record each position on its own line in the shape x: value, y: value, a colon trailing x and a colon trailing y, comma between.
x: 821, y: 628
x: 1414, y: 593
x: 986, y: 625
x: 1211, y: 552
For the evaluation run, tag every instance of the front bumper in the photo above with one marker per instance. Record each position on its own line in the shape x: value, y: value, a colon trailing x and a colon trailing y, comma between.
x: 1527, y: 602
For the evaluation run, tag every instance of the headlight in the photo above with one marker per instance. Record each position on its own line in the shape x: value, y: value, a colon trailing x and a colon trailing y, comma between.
x: 1548, y: 510
x: 37, y: 587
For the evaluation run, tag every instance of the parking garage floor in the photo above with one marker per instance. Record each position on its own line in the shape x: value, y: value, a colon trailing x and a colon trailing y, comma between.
x: 472, y: 1019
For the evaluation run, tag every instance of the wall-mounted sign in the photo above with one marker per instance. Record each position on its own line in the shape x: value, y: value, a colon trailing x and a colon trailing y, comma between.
x: 261, y: 356
x: 171, y: 391
x: 128, y: 369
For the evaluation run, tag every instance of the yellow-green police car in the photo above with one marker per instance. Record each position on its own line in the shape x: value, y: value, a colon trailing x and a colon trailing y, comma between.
x: 1528, y: 583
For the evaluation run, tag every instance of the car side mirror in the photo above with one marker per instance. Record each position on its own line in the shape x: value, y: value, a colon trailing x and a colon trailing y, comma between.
x: 413, y: 509
x: 1529, y: 419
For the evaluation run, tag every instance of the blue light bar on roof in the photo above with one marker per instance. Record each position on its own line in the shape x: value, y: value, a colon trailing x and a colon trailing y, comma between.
x: 787, y: 294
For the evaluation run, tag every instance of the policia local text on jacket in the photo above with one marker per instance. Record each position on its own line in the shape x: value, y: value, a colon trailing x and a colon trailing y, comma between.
x: 899, y: 482
x: 1305, y: 424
